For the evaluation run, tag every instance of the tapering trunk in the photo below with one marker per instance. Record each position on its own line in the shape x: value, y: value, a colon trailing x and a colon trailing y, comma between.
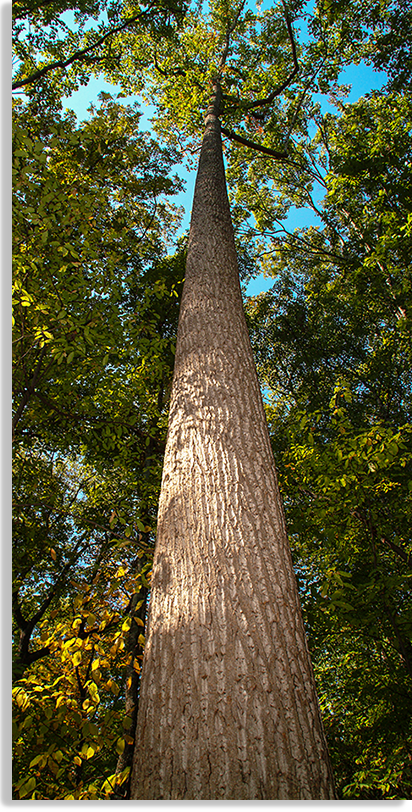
x: 228, y: 707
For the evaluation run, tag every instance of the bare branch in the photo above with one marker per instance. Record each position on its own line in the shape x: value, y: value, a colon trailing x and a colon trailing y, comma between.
x: 252, y: 145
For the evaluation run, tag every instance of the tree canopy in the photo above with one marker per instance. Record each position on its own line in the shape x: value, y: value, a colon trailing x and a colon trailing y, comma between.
x: 98, y: 272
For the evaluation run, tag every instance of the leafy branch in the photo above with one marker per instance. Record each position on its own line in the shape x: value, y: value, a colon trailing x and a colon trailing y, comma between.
x: 82, y: 52
x: 277, y: 91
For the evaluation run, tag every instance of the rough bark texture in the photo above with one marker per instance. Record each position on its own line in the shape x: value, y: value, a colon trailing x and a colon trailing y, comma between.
x: 228, y: 707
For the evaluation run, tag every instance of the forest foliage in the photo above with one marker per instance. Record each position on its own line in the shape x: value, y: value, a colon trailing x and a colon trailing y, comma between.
x: 98, y: 273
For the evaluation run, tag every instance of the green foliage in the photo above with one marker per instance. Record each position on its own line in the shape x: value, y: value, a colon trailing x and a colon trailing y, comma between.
x: 95, y: 313
x: 379, y: 31
x: 87, y: 221
x: 60, y: 44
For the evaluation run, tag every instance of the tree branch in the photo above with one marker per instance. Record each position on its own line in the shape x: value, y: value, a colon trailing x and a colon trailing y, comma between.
x: 278, y: 90
x: 252, y: 145
x: 215, y: 103
x: 229, y: 30
x: 26, y: 627
x: 80, y: 54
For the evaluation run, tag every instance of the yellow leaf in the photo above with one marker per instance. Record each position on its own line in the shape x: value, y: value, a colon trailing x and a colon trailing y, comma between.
x: 139, y: 621
x: 27, y: 787
x: 77, y: 658
x: 120, y: 746
x: 77, y: 760
x: 53, y: 554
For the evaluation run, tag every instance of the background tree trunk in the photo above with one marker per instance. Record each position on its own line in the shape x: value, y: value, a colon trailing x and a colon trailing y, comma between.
x: 228, y: 707
x: 132, y: 682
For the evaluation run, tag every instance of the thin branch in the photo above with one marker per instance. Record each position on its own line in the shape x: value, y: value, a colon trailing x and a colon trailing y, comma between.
x: 26, y: 627
x: 278, y: 90
x: 78, y: 55
x: 229, y: 30
x: 30, y: 388
x: 167, y: 74
x: 215, y: 104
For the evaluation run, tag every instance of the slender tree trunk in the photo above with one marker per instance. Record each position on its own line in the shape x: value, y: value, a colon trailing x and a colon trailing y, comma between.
x: 132, y: 682
x: 228, y: 707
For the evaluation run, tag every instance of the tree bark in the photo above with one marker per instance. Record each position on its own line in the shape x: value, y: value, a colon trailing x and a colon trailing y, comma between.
x: 228, y: 707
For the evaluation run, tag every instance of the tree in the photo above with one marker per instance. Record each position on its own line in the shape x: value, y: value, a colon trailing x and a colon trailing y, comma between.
x: 93, y: 371
x: 228, y: 706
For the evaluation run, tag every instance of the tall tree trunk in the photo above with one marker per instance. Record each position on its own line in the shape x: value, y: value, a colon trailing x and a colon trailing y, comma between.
x: 228, y: 707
